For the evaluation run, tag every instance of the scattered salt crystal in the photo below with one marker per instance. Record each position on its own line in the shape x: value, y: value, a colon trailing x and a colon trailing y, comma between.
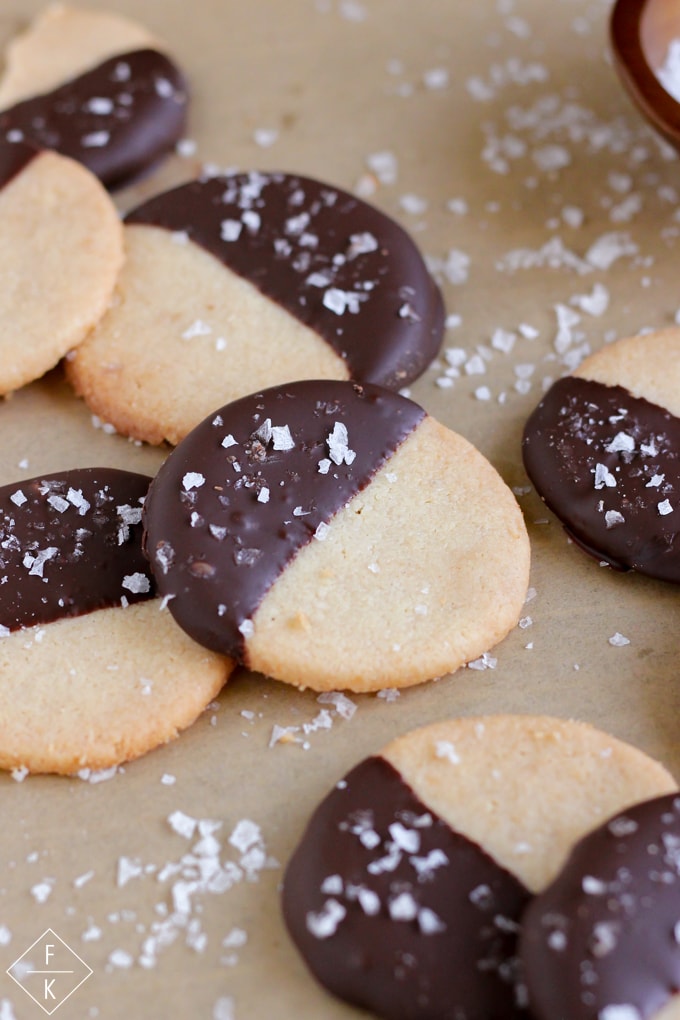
x: 41, y: 891
x: 184, y: 825
x: 18, y: 498
x: 19, y: 773
x: 197, y: 328
x: 121, y: 959
x: 384, y: 165
x: 95, y: 140
x: 282, y: 438
x: 265, y: 137
x: 247, y: 628
x: 608, y: 248
x: 618, y: 640
x: 445, y: 749
x: 593, y: 886
x: 343, y: 705
x: 321, y: 532
x: 223, y: 1008
x: 665, y: 507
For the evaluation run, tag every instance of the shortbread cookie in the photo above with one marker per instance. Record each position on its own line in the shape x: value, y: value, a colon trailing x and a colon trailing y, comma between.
x: 237, y: 283
x: 335, y: 536
x: 603, y: 450
x: 405, y: 892
x: 93, y: 672
x: 96, y: 87
x: 603, y: 941
x: 61, y: 248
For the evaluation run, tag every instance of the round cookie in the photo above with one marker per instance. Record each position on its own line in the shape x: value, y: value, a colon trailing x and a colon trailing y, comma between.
x: 93, y: 672
x: 404, y: 894
x: 237, y: 283
x: 603, y: 451
x: 603, y: 940
x: 94, y: 86
x: 61, y: 248
x: 336, y: 536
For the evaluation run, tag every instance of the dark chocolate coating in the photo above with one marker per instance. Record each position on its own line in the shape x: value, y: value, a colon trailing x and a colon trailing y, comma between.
x: 452, y: 952
x: 565, y: 440
x: 313, y: 248
x: 68, y: 541
x: 14, y: 157
x: 214, y: 544
x: 117, y: 119
x: 606, y: 931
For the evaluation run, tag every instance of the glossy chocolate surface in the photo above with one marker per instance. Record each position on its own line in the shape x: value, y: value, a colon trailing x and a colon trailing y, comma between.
x: 608, y: 465
x: 606, y: 932
x: 116, y: 119
x: 337, y: 264
x: 246, y: 490
x: 14, y: 156
x: 70, y: 542
x: 394, y: 911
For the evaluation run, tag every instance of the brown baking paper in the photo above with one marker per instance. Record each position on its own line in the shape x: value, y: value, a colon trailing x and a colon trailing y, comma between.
x: 498, y: 134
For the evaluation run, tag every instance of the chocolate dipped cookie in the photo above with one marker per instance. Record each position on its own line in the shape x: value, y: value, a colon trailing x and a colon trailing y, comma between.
x: 237, y: 283
x: 96, y: 87
x: 405, y: 893
x: 603, y: 451
x: 336, y: 536
x: 602, y: 942
x: 94, y: 670
x: 61, y: 248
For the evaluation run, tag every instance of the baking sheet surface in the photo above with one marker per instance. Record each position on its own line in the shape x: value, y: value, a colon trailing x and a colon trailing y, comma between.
x: 498, y: 134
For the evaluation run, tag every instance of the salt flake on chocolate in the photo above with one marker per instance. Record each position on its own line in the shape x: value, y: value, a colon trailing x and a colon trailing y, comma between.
x: 325, y: 923
x: 612, y: 518
x: 281, y: 438
x: 665, y: 507
x: 137, y: 583
x: 18, y: 498
x: 193, y: 480
x: 338, y: 445
x: 603, y: 476
x: 621, y: 443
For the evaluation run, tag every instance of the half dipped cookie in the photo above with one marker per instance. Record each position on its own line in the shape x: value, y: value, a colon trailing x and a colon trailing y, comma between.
x: 94, y: 671
x: 603, y: 451
x: 94, y: 86
x: 236, y: 283
x: 406, y: 891
x: 336, y: 536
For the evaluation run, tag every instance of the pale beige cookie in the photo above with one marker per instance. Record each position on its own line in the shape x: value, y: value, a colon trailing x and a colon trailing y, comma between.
x: 647, y: 366
x: 179, y: 341
x: 525, y: 788
x: 97, y: 690
x: 62, y: 42
x: 243, y: 281
x: 336, y: 536
x: 409, y: 888
x: 93, y: 670
x: 60, y: 253
x: 422, y: 572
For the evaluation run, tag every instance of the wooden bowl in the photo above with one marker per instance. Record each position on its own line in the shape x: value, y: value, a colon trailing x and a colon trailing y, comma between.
x: 641, y: 33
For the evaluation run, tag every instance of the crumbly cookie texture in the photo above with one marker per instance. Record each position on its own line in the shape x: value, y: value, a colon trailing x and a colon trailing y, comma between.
x: 406, y: 892
x: 335, y: 536
x: 61, y: 249
x: 603, y: 450
x: 98, y: 690
x: 239, y: 282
